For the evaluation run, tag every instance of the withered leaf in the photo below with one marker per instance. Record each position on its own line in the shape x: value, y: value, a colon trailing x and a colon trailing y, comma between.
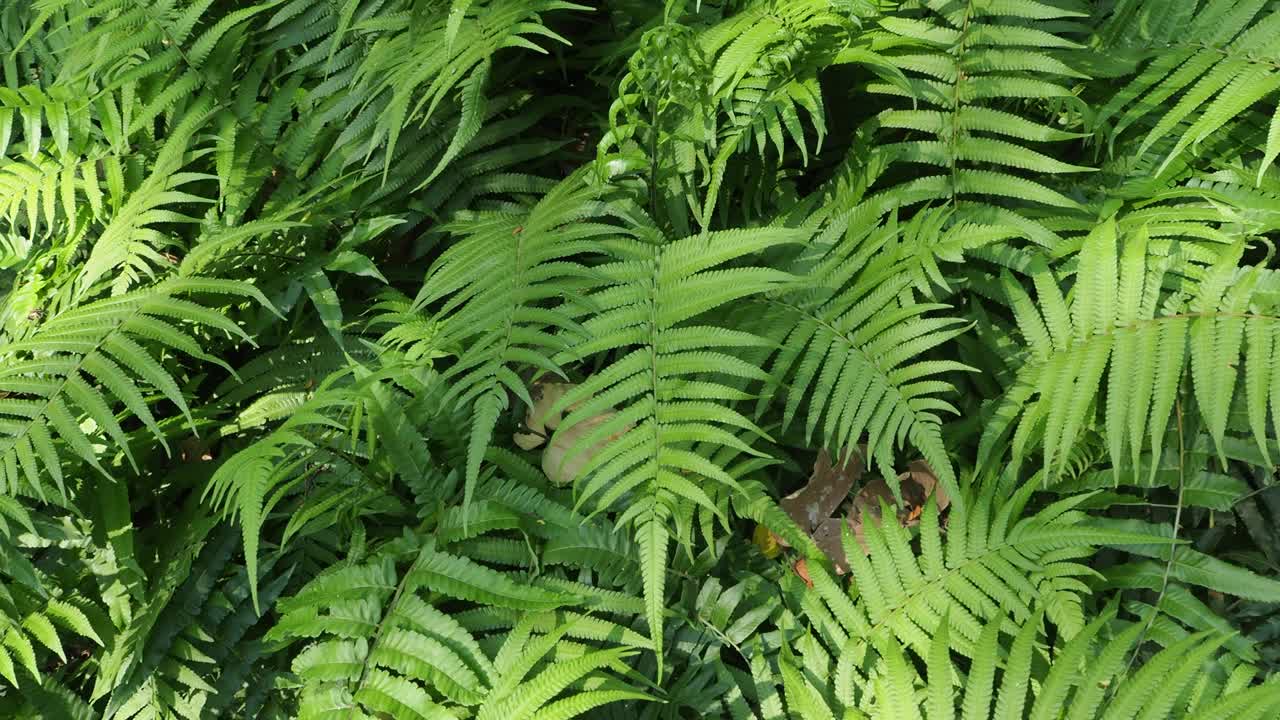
x: 554, y: 463
x: 812, y: 506
x: 916, y: 485
x: 827, y: 489
x: 540, y: 422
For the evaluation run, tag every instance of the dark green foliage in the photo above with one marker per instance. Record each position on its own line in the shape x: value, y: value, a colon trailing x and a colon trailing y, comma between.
x: 383, y: 359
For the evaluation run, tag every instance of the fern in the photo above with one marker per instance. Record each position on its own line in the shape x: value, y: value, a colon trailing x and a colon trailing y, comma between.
x: 908, y: 595
x: 1075, y: 682
x: 385, y: 649
x: 30, y: 622
x: 854, y: 334
x: 651, y: 294
x: 256, y: 478
x: 399, y: 359
x: 43, y: 193
x: 27, y: 113
x: 1209, y: 71
x: 83, y: 361
x: 849, y: 654
x: 521, y: 266
x: 185, y: 668
x: 961, y: 60
x: 1117, y: 306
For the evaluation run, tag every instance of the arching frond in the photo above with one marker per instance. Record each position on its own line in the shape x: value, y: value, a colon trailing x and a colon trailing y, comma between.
x: 85, y: 363
x: 1209, y: 69
x: 648, y: 316
x: 971, y: 67
x: 1013, y: 677
x: 1119, y: 316
x: 851, y: 345
x: 503, y: 294
x: 380, y: 646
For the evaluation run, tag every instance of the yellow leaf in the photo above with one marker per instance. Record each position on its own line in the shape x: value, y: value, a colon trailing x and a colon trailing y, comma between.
x: 767, y: 542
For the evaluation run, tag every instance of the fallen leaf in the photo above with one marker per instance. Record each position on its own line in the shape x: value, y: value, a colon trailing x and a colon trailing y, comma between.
x: 802, y: 569
x: 541, y: 422
x: 827, y: 538
x: 813, y: 506
x: 563, y: 472
x: 827, y: 489
x: 767, y: 542
x: 916, y: 486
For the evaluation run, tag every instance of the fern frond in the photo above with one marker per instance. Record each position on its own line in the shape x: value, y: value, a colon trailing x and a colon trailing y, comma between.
x: 1206, y: 75
x: 1121, y: 317
x: 402, y: 655
x: 852, y: 347
x: 651, y: 295
x: 410, y: 78
x: 1069, y: 677
x: 192, y: 659
x: 503, y: 293
x: 60, y: 110
x: 960, y: 60
x: 85, y: 362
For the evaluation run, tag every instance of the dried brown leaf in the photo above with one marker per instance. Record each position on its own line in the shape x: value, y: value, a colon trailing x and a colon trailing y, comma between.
x: 812, y: 506
x: 540, y: 422
x: 827, y: 489
x: 916, y: 486
x: 562, y: 472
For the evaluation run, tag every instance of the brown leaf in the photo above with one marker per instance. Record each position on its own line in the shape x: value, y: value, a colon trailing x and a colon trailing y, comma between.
x: 916, y: 485
x: 802, y: 569
x: 812, y: 506
x: 827, y: 538
x: 541, y: 423
x: 539, y: 419
x: 562, y: 472
x: 827, y: 489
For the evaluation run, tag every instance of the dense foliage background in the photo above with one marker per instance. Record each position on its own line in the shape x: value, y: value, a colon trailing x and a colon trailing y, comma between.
x: 532, y: 359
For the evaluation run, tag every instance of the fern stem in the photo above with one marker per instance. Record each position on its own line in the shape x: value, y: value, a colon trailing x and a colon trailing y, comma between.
x: 653, y: 162
x: 955, y: 96
x: 1173, y: 547
x: 382, y: 625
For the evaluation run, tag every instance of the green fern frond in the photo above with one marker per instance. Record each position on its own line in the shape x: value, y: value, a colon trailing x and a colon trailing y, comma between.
x: 961, y: 59
x: 1216, y: 66
x: 192, y: 660
x: 59, y: 110
x: 1119, y: 315
x: 31, y: 625
x: 44, y: 194
x: 519, y: 267
x: 386, y: 649
x: 852, y: 347
x: 85, y: 362
x: 1084, y: 677
x: 127, y: 247
x: 411, y: 78
x: 650, y: 296
x: 307, y: 444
